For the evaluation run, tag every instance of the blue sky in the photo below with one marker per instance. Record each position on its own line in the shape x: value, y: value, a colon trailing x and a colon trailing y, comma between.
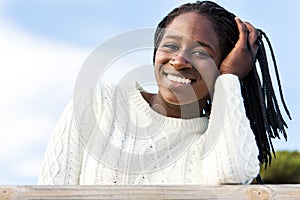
x: 44, y: 44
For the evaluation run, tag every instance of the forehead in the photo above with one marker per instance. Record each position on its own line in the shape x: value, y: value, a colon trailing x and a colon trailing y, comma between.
x: 195, y: 26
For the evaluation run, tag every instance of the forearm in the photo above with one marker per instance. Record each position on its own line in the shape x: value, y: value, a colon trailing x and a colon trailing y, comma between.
x: 235, y: 152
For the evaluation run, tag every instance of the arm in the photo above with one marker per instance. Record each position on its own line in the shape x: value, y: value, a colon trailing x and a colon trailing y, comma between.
x: 232, y: 153
x: 62, y: 162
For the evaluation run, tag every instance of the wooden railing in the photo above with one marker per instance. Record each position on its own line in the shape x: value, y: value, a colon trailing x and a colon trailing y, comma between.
x: 152, y: 192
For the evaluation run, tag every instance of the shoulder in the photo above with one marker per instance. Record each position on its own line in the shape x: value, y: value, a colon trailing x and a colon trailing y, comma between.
x: 109, y: 92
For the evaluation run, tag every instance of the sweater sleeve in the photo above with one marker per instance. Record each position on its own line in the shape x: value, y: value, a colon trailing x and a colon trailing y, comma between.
x: 62, y: 162
x: 231, y: 150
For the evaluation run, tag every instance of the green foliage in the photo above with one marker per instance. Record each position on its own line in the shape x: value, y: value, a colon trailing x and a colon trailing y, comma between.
x: 285, y: 169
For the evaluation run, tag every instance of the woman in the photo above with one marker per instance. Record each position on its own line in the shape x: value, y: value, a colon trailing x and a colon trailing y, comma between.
x: 194, y: 131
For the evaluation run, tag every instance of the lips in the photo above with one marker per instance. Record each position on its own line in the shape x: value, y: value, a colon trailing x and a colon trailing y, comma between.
x: 180, y: 78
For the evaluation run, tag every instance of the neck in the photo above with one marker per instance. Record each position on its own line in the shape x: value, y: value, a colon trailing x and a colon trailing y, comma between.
x: 186, y: 111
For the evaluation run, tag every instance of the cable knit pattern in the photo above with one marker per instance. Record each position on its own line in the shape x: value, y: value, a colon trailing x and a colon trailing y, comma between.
x: 63, y: 158
x: 235, y: 151
x: 132, y: 144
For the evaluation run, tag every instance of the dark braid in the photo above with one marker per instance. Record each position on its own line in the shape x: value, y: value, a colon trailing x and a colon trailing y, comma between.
x: 259, y: 97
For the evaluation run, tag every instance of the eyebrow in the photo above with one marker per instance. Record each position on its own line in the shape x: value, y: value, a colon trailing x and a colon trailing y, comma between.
x: 175, y: 36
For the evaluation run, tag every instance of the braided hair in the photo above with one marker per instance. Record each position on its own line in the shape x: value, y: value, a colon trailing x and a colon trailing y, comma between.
x: 257, y: 90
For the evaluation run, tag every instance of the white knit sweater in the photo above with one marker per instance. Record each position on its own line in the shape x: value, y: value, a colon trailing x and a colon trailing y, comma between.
x: 133, y: 144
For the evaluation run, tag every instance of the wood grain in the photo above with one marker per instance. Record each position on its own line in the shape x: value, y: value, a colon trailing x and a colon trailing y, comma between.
x: 152, y: 192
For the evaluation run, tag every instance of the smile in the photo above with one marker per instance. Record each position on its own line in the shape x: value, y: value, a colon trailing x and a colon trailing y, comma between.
x: 178, y: 79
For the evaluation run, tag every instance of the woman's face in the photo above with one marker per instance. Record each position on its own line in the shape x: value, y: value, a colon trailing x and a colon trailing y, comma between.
x: 186, y: 59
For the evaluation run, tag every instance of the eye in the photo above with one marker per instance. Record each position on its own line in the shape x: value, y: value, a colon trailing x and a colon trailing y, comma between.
x: 201, y: 53
x: 171, y: 47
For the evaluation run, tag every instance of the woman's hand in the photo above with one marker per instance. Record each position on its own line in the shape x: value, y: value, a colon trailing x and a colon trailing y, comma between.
x: 242, y: 57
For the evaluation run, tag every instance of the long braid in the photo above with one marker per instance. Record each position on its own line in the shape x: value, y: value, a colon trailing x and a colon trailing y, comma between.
x: 277, y: 74
x: 259, y: 97
x: 272, y: 118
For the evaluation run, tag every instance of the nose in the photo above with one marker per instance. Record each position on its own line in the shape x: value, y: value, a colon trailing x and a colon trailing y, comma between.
x: 180, y: 62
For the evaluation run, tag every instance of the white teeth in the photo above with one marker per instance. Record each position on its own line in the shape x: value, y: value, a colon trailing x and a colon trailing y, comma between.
x: 178, y: 79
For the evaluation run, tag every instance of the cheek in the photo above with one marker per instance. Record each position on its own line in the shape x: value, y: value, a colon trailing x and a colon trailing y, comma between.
x: 157, y: 64
x: 205, y: 67
x: 162, y: 57
x: 209, y: 72
x: 157, y: 61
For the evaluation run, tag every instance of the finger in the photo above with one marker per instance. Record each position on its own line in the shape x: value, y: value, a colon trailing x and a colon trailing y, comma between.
x: 243, y: 31
x: 253, y: 35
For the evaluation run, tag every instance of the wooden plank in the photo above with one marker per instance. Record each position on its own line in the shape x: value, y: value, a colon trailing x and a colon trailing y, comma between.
x: 152, y: 192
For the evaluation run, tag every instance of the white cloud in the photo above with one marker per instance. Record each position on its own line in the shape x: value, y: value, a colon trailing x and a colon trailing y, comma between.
x: 36, y: 80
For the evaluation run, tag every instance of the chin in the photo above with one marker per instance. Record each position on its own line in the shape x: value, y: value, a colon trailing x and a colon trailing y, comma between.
x: 181, y: 102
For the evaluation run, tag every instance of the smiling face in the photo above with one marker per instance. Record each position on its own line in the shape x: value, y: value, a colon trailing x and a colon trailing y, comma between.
x: 186, y: 59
